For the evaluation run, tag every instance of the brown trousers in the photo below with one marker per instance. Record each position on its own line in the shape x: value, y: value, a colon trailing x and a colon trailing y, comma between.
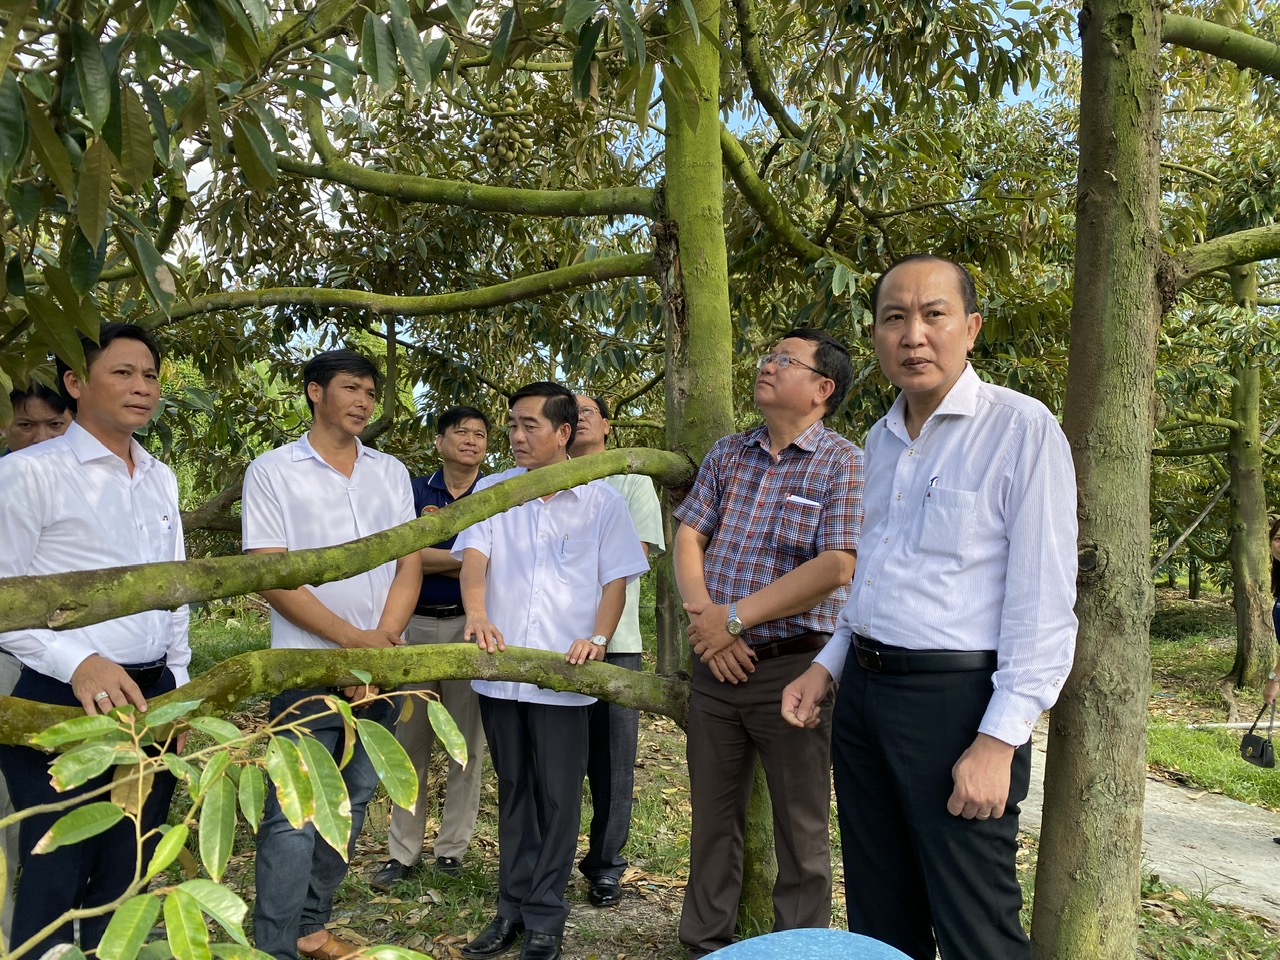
x: 729, y: 726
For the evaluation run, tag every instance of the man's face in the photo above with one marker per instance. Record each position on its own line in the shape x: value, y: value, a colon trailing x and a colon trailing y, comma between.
x: 346, y: 402
x: 592, y: 428
x: 792, y: 385
x: 35, y: 421
x: 464, y: 443
x: 122, y: 391
x: 922, y: 334
x: 534, y: 443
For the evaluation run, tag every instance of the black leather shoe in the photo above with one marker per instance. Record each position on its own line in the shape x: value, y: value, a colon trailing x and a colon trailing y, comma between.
x: 392, y: 872
x: 604, y: 892
x: 540, y: 946
x: 449, y: 866
x: 495, y: 939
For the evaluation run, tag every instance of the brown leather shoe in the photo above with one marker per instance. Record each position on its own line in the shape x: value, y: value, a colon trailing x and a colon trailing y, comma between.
x: 333, y: 948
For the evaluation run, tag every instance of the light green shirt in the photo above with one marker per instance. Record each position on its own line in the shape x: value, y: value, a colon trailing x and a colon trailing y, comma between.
x: 646, y: 516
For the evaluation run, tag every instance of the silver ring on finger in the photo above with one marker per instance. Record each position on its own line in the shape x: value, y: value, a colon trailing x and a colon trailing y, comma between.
x: 102, y: 695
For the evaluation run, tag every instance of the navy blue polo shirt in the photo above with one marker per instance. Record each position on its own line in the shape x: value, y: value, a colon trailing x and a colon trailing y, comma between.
x: 429, y: 495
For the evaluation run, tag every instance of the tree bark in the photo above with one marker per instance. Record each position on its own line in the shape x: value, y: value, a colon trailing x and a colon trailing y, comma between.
x: 91, y: 596
x: 1250, y: 551
x: 1088, y: 876
x: 1225, y: 43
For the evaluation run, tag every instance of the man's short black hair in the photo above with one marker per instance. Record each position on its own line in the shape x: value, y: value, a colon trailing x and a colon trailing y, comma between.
x: 602, y: 406
x: 107, y: 333
x: 456, y: 415
x: 559, y: 405
x: 968, y: 292
x: 37, y: 391
x: 323, y: 367
x: 831, y: 359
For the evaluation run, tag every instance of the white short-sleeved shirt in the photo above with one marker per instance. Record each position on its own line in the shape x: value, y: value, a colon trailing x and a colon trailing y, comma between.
x: 294, y: 499
x: 646, y: 515
x: 548, y: 560
x: 70, y: 504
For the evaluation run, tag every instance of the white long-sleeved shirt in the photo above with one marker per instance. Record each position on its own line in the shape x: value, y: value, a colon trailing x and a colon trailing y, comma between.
x: 70, y: 504
x: 969, y: 543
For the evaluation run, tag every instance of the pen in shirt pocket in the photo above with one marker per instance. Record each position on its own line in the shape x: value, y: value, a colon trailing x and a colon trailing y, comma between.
x: 165, y: 520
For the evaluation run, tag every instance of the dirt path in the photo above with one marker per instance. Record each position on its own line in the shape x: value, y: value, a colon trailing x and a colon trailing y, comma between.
x: 1203, y: 842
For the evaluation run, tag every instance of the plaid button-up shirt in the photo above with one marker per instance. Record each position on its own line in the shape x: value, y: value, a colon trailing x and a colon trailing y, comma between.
x: 764, y: 519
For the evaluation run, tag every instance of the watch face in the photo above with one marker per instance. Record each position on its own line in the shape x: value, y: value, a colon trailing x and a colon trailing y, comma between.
x: 734, y: 626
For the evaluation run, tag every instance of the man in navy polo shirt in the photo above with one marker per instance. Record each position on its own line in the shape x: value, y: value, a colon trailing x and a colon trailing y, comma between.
x: 462, y: 437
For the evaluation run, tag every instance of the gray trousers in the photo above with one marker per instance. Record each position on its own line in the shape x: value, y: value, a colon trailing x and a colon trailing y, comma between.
x: 462, y: 799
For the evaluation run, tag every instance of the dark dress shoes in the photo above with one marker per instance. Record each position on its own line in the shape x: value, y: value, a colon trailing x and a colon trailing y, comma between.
x: 392, y: 872
x: 540, y: 946
x: 604, y: 892
x: 496, y: 939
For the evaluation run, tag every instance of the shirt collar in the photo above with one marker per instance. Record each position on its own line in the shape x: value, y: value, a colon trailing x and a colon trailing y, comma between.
x: 436, y: 481
x: 303, y: 450
x: 88, y: 448
x: 961, y: 401
x: 808, y: 440
x: 578, y: 492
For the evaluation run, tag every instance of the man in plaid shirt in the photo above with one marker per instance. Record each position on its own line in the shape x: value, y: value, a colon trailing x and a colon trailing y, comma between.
x: 764, y: 554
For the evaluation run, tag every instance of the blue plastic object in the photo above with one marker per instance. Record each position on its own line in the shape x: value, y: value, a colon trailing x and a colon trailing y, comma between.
x: 810, y: 945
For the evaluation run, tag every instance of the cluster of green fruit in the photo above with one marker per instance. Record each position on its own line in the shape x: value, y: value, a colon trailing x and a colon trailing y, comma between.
x: 507, y: 143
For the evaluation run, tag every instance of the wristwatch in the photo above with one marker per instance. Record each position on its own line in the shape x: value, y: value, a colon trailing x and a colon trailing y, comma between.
x: 600, y: 640
x: 1272, y: 676
x: 733, y: 624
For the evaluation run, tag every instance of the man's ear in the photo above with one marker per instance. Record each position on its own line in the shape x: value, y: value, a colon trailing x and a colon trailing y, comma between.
x: 75, y: 386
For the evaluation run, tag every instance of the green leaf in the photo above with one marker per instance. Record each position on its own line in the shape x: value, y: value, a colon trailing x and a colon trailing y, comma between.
x: 160, y: 11
x: 69, y: 731
x: 190, y: 50
x: 293, y: 788
x: 167, y: 850
x: 455, y: 744
x: 92, y: 76
x: 389, y: 951
x: 15, y: 281
x: 82, y: 763
x: 588, y: 36
x: 258, y: 13
x: 155, y: 108
x: 574, y: 13
x: 676, y: 80
x: 183, y: 922
x: 85, y: 313
x: 214, y: 771
x: 501, y: 42
x: 333, y: 803
x: 409, y: 42
x: 643, y: 94
x: 48, y: 147
x: 461, y: 10
x: 155, y: 273
x: 218, y: 826
x: 93, y: 193
x: 226, y: 909
x: 839, y: 279
x: 250, y: 150
x: 364, y: 676
x: 129, y: 928
x: 209, y: 27
x: 137, y: 150
x: 223, y: 731
x: 390, y: 761
x: 692, y: 15
x: 378, y: 53
x: 156, y: 950
x: 159, y: 716
x: 181, y: 769
x: 438, y: 56
x: 80, y: 824
x: 13, y: 127
x: 15, y: 20
x: 253, y: 796
x: 233, y: 951
x: 55, y: 328
x: 630, y: 32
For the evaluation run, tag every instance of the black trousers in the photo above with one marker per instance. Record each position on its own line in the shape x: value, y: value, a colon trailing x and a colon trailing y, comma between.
x: 912, y: 870
x: 86, y: 874
x: 539, y: 753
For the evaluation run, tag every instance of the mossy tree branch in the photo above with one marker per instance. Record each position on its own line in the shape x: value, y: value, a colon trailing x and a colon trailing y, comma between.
x: 1190, y: 451
x: 1225, y: 43
x: 1245, y: 246
x: 333, y: 167
x: 383, y: 304
x: 757, y: 69
x: 229, y: 683
x: 90, y: 596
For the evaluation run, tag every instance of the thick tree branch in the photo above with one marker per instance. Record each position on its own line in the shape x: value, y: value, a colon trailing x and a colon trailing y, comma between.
x: 522, y: 288
x: 229, y: 683
x: 766, y: 206
x: 1225, y: 43
x: 1190, y: 451
x: 757, y: 70
x: 1187, y: 420
x: 1245, y: 246
x: 91, y: 596
x: 641, y: 390
x: 215, y: 514
x: 333, y: 167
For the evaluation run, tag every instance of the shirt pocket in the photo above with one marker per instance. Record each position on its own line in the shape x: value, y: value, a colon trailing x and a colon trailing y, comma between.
x: 796, y: 530
x: 577, y: 563
x: 947, y: 520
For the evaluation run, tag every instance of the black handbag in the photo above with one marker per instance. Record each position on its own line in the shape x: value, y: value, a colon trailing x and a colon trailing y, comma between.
x: 1256, y: 748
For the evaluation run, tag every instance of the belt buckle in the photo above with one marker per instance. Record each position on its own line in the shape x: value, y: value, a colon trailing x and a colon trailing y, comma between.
x: 870, y: 659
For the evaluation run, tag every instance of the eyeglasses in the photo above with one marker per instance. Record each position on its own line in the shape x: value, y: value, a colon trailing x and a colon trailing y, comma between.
x: 588, y: 412
x: 782, y: 361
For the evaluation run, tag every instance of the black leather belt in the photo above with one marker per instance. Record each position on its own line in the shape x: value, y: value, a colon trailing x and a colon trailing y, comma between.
x: 440, y: 611
x: 800, y: 643
x: 879, y: 658
x: 145, y: 674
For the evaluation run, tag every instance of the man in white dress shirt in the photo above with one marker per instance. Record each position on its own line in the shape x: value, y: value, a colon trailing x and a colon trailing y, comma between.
x: 550, y: 574
x: 88, y: 499
x: 958, y: 633
x: 323, y: 489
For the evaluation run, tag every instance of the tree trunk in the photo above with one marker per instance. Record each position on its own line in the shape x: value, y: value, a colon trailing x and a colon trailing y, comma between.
x: 1088, y: 876
x: 1193, y: 579
x: 673, y: 645
x: 1250, y: 551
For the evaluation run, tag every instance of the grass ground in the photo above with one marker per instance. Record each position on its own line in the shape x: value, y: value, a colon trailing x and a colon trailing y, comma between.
x: 435, y: 914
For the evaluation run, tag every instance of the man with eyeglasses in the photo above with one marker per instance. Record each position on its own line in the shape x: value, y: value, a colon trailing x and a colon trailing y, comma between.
x: 766, y: 547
